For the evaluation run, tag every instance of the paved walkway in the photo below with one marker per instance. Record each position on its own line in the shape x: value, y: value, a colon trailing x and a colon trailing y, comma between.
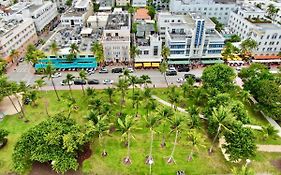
x: 269, y: 148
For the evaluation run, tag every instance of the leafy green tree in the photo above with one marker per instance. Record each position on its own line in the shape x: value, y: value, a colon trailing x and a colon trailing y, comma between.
x: 83, y: 77
x: 164, y: 114
x: 68, y: 3
x: 151, y: 11
x: 126, y: 126
x: 54, y: 48
x: 151, y: 122
x: 234, y: 38
x: 145, y: 79
x: 219, y: 76
x: 272, y: 11
x: 176, y: 124
x: 269, y: 131
x: 230, y: 51
x: 96, y: 104
x: 56, y: 140
x: 247, y: 46
x: 69, y: 79
x: 97, y: 49
x: 110, y: 93
x: 134, y: 52
x: 14, y: 54
x: 240, y: 142
x: 187, y: 88
x: 239, y: 111
x: 243, y: 171
x: 219, y: 26
x: 3, y: 65
x: 193, y: 112
x: 196, y: 141
x: 49, y: 72
x: 74, y: 49
x: 220, y: 120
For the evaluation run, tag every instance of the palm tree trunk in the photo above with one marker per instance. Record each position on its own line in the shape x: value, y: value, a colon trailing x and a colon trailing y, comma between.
x: 166, y: 80
x: 190, y: 157
x: 46, y: 104
x: 174, y: 147
x: 14, y: 106
x: 214, y: 140
x: 55, y: 89
x: 163, y: 143
x: 70, y: 90
x: 83, y: 89
x: 133, y: 95
x: 128, y: 140
x: 150, y: 151
x: 21, y: 107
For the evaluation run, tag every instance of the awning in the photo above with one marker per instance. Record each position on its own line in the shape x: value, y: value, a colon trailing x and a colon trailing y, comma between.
x: 146, y: 64
x: 179, y: 62
x: 155, y: 64
x: 266, y: 57
x: 237, y: 62
x: 266, y: 61
x: 211, y: 61
x: 138, y: 64
x: 86, y: 31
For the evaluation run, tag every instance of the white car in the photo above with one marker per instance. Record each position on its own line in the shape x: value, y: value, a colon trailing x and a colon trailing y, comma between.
x: 64, y: 83
x: 180, y: 80
x: 130, y: 69
x: 56, y: 75
x: 172, y: 68
x: 107, y: 81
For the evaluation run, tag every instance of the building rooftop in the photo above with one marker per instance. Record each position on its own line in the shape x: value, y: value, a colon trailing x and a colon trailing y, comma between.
x: 82, y: 4
x: 73, y: 12
x: 145, y: 29
x: 268, y: 26
x: 6, y: 26
x: 142, y: 13
x: 116, y: 21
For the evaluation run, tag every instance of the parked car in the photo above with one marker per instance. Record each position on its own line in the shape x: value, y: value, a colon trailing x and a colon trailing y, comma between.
x: 172, y: 68
x: 107, y: 81
x: 21, y: 60
x: 79, y: 82
x: 56, y: 75
x: 186, y: 76
x: 180, y: 80
x: 117, y: 70
x: 103, y: 71
x: 183, y: 69
x: 93, y: 81
x: 130, y: 69
x: 198, y: 79
x: 64, y: 83
x: 171, y: 73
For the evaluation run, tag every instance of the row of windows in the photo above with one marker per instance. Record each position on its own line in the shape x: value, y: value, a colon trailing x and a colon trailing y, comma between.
x: 270, y: 43
x: 216, y: 45
x: 210, y: 9
x: 269, y: 49
x: 214, y: 51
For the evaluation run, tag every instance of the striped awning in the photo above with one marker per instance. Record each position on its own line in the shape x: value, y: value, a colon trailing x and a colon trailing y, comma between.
x: 211, y: 61
x: 146, y: 64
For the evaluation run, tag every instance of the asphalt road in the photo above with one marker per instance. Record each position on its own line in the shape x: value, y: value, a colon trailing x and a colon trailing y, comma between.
x: 25, y: 72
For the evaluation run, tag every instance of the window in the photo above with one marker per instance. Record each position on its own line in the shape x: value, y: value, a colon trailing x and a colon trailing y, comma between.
x: 155, y: 50
x: 146, y: 52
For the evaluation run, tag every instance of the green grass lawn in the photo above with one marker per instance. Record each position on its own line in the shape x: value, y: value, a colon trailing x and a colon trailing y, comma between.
x: 112, y: 164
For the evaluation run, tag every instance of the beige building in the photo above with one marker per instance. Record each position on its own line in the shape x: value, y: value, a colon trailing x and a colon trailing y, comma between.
x: 16, y: 34
x: 116, y: 38
x: 122, y: 2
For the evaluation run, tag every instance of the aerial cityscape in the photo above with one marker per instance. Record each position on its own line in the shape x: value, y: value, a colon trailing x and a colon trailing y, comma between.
x: 99, y: 87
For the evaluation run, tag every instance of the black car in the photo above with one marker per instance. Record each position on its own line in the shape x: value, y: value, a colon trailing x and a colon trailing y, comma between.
x: 117, y: 70
x: 93, y: 81
x: 186, y: 76
x: 171, y: 73
x: 79, y: 82
x: 198, y: 79
x: 183, y: 69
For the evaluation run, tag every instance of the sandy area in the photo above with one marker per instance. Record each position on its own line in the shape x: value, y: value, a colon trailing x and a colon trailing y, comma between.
x: 6, y: 106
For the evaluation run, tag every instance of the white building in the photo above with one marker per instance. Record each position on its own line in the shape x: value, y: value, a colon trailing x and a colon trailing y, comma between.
x: 77, y: 15
x: 161, y: 4
x: 98, y: 20
x: 16, y: 34
x: 116, y: 37
x: 122, y: 2
x: 190, y: 37
x: 43, y: 13
x: 209, y: 8
x: 5, y: 2
x: 250, y: 22
x: 139, y: 3
x: 148, y: 42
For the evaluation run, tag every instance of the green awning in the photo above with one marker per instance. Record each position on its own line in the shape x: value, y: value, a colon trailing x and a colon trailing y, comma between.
x: 211, y: 61
x: 179, y: 62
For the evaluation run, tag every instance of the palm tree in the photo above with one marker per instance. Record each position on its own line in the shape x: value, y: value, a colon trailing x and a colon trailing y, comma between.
x: 122, y: 86
x: 54, y: 48
x: 133, y: 80
x: 223, y: 117
x: 29, y: 54
x: 14, y: 54
x: 96, y: 104
x: 176, y: 126
x: 272, y: 11
x: 150, y: 103
x: 137, y: 98
x: 245, y: 96
x: 243, y: 171
x: 269, y: 131
x: 69, y: 79
x: 97, y: 49
x: 173, y: 97
x: 126, y: 126
x: 110, y: 92
x: 165, y: 53
x: 151, y: 122
x: 247, y: 46
x: 193, y: 112
x: 145, y: 79
x: 83, y: 77
x: 49, y: 71
x: 187, y: 87
x: 163, y: 68
x: 39, y: 83
x: 74, y: 49
x: 3, y: 65
x: 196, y: 141
x: 134, y: 51
x: 164, y: 114
x: 102, y: 128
